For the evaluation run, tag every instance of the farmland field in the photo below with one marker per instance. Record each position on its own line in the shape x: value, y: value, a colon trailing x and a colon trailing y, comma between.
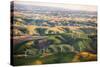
x: 48, y: 34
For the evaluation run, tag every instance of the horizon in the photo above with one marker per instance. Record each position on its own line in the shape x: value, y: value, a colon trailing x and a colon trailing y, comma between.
x: 90, y: 8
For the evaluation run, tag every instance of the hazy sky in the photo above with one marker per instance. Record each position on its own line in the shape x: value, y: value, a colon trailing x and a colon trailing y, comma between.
x: 61, y: 5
